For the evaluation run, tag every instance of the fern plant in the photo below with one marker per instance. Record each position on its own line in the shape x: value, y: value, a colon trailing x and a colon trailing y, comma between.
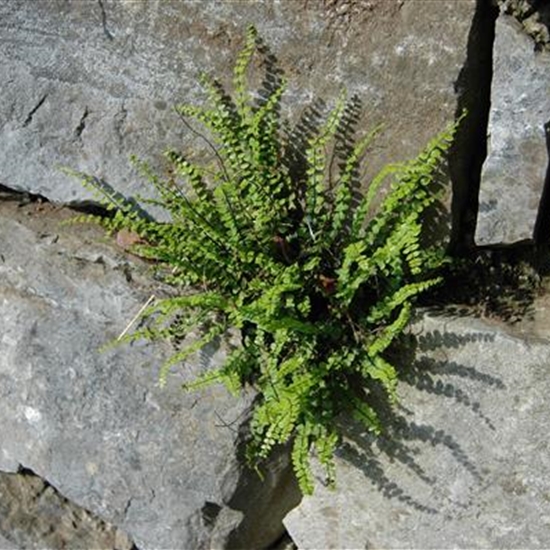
x: 272, y: 239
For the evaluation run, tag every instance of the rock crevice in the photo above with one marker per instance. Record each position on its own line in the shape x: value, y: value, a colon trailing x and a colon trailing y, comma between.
x: 33, y: 111
x: 541, y: 234
x: 473, y: 88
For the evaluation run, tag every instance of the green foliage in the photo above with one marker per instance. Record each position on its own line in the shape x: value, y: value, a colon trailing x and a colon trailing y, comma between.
x: 273, y: 239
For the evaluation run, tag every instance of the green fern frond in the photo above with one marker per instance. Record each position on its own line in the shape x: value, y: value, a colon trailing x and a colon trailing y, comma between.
x: 300, y: 459
x: 343, y: 197
x: 239, y: 73
x: 315, y: 198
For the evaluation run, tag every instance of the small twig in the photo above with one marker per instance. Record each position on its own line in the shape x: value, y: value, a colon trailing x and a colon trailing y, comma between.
x: 208, y: 142
x: 307, y: 220
x: 230, y: 424
x: 136, y: 317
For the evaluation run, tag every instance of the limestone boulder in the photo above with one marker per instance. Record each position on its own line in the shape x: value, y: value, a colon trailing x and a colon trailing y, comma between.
x: 7, y: 544
x: 163, y: 466
x: 87, y: 84
x: 465, y: 459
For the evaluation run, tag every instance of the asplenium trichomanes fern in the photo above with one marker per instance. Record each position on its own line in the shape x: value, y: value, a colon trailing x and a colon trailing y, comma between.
x: 271, y: 239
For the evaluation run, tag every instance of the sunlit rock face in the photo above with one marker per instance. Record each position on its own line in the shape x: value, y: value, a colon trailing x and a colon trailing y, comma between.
x: 87, y: 84
x: 518, y: 137
x: 464, y: 461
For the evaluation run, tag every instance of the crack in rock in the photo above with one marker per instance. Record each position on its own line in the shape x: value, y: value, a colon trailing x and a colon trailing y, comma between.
x: 106, y: 31
x: 119, y: 121
x: 469, y: 151
x: 127, y: 507
x: 82, y: 124
x: 32, y: 112
x: 541, y: 234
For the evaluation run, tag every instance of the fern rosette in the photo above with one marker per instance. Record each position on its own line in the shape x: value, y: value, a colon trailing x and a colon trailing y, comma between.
x: 272, y: 238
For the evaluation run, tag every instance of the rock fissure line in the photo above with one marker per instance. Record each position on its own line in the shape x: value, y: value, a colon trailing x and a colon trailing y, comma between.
x: 127, y: 507
x: 106, y: 30
x: 119, y: 121
x: 21, y: 197
x: 25, y: 197
x: 33, y: 111
x: 82, y: 124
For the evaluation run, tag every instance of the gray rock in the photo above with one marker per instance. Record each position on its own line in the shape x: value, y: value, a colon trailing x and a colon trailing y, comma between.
x: 514, y: 173
x: 162, y: 465
x: 465, y: 462
x: 6, y: 544
x: 86, y: 84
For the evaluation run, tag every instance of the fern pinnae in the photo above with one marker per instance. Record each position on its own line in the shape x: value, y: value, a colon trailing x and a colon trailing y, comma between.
x: 387, y: 305
x: 387, y: 334
x: 377, y: 368
x: 362, y: 210
x: 192, y: 175
x: 366, y: 414
x: 315, y: 155
x: 239, y: 73
x: 300, y: 459
x: 185, y: 111
x: 173, y: 198
x: 343, y: 198
x: 325, y: 445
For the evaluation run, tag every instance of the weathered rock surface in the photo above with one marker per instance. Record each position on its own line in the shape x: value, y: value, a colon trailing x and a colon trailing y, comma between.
x: 514, y: 172
x: 86, y: 84
x: 163, y: 466
x: 465, y: 462
x: 34, y: 515
x: 6, y: 544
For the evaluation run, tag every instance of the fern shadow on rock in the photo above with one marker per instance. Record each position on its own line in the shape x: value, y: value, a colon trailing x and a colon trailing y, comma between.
x: 437, y: 217
x: 114, y: 197
x: 499, y: 283
x: 414, y: 461
x: 273, y: 74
